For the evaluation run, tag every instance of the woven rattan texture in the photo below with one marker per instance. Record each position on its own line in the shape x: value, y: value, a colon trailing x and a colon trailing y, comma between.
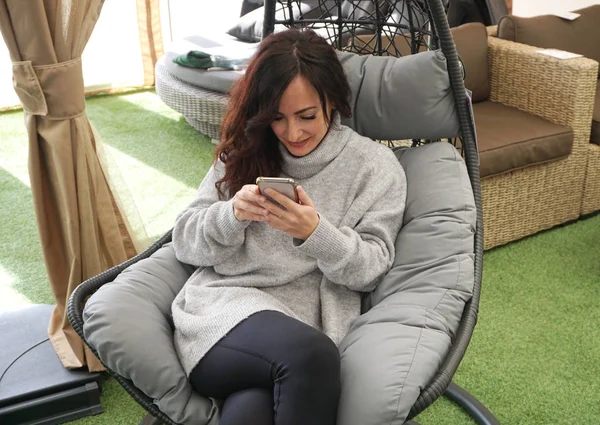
x: 591, y: 189
x: 203, y: 109
x: 523, y: 202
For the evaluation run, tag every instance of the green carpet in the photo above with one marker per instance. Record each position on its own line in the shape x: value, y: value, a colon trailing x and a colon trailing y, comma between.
x: 534, y: 355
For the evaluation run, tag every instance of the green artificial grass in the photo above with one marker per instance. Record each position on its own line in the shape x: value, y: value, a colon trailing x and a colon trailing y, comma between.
x: 533, y: 358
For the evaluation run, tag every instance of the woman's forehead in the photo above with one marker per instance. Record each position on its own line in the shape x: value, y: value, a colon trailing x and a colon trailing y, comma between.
x: 298, y: 95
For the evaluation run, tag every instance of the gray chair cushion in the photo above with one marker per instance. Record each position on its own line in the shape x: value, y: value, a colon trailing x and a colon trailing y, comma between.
x: 217, y: 80
x: 128, y: 321
x: 394, y: 349
x: 249, y: 27
x: 389, y: 354
x: 401, y: 98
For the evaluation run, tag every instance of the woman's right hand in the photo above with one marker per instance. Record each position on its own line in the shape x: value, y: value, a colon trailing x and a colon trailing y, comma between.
x: 247, y: 204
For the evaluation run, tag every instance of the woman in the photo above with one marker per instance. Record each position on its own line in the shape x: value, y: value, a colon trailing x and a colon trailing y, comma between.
x: 277, y: 288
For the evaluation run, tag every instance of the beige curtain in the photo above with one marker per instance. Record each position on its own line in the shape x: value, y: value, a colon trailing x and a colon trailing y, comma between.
x: 148, y: 12
x: 81, y: 229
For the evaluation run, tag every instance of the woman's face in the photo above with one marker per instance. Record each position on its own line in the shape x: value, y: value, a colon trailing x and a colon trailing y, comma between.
x: 300, y: 123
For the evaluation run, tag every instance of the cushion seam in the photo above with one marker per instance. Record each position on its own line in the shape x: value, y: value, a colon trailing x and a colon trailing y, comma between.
x: 461, y: 243
x: 402, y: 386
x: 528, y: 140
x: 523, y: 167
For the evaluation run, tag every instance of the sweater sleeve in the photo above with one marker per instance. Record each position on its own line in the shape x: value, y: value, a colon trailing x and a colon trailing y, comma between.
x: 207, y: 232
x: 357, y: 257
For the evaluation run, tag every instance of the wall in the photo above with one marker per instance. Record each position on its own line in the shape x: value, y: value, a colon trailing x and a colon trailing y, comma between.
x: 542, y: 7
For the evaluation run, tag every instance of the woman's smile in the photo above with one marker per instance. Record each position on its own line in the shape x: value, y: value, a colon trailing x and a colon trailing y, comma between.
x: 300, y: 144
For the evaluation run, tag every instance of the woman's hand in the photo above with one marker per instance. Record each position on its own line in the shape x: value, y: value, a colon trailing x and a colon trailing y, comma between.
x: 299, y: 220
x: 248, y: 204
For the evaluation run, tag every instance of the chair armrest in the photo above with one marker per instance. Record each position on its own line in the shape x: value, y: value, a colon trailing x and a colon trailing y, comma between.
x: 561, y: 91
x: 86, y: 289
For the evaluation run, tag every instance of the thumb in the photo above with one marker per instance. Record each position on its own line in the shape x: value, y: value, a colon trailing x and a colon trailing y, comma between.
x: 303, y: 197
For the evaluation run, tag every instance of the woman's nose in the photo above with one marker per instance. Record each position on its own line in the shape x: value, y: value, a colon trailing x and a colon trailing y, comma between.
x: 293, y: 132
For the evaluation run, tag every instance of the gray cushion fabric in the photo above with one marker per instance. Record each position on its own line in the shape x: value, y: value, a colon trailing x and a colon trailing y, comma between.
x: 249, y: 27
x: 216, y: 80
x: 250, y: 5
x: 391, y: 351
x: 401, y: 98
x: 361, y: 9
x: 394, y: 349
x: 128, y: 321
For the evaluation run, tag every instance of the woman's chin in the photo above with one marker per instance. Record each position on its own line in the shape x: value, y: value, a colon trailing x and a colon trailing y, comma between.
x: 299, y: 149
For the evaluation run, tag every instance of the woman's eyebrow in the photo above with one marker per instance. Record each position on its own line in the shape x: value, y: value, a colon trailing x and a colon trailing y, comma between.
x: 305, y: 109
x: 301, y: 110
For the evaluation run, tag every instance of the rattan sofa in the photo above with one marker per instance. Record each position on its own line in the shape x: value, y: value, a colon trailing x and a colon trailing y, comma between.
x: 581, y: 36
x: 526, y: 201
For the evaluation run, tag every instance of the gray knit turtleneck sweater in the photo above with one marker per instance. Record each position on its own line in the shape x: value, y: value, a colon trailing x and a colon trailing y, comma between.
x: 359, y: 190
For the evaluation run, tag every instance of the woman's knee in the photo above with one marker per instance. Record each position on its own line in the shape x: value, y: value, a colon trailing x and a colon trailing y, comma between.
x: 318, y: 356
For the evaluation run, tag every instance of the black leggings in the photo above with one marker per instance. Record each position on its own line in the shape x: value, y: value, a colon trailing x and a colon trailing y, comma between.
x: 272, y: 369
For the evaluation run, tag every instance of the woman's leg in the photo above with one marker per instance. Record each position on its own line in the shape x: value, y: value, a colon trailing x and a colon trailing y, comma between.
x: 249, y: 407
x: 272, y: 351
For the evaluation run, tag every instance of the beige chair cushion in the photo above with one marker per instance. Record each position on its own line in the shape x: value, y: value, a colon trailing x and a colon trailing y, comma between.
x: 581, y: 35
x: 510, y: 139
x: 472, y: 47
x: 595, y: 138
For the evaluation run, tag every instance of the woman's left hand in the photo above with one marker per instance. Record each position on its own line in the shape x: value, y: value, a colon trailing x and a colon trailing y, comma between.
x: 299, y: 220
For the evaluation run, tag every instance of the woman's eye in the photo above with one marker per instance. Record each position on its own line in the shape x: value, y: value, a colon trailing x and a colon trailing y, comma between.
x: 277, y: 119
x: 312, y: 117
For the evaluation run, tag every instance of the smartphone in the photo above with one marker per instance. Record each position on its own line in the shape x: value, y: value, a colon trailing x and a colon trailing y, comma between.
x: 283, y: 185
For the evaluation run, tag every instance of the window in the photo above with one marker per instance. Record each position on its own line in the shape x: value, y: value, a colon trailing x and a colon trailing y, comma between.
x: 111, y: 59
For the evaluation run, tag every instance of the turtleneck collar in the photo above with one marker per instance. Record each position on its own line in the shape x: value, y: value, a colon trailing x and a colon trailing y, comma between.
x: 304, y: 167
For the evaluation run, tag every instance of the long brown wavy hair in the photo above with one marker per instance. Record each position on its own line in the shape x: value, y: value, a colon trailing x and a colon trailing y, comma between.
x: 248, y: 146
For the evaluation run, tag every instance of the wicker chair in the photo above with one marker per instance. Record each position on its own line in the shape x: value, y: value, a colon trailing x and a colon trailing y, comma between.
x: 536, y: 198
x: 548, y: 31
x: 431, y: 31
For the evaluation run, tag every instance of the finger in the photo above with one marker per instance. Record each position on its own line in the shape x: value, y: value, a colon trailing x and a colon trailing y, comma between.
x: 251, y: 188
x: 303, y: 197
x: 243, y: 205
x: 250, y: 193
x: 286, y: 202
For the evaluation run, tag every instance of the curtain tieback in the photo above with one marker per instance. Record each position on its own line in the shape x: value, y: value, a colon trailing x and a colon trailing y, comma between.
x: 53, y: 91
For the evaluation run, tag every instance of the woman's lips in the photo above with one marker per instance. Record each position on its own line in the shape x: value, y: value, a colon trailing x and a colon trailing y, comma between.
x: 299, y: 144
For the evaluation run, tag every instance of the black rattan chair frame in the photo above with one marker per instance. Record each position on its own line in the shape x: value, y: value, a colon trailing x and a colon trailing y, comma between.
x: 439, y: 36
